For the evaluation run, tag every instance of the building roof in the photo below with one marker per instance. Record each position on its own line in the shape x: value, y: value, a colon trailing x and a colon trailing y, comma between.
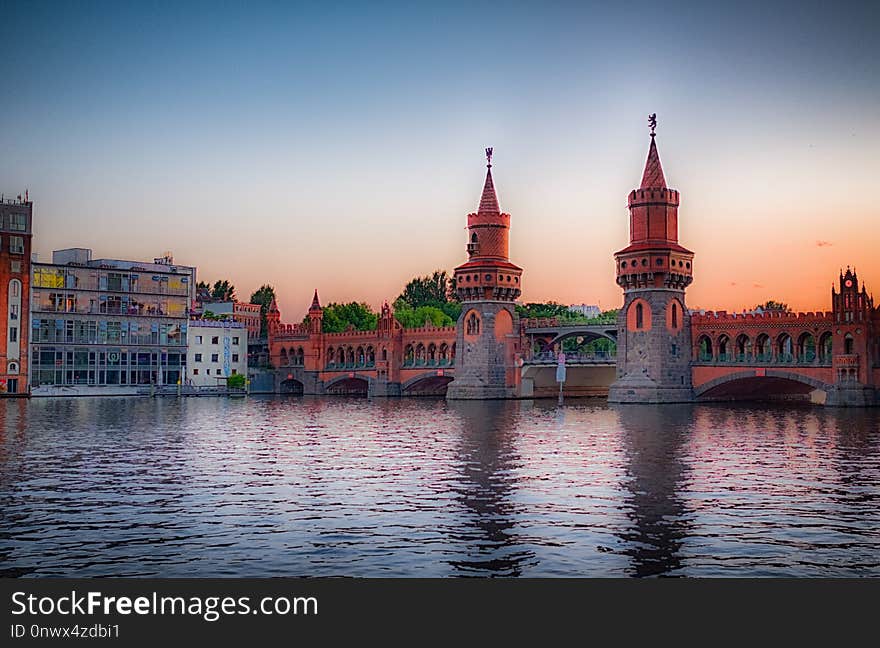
x: 653, y: 177
x: 489, y: 200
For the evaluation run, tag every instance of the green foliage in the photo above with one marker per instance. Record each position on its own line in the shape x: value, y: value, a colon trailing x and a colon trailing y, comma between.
x: 236, y: 381
x: 222, y: 291
x: 339, y: 317
x: 263, y: 296
x: 410, y: 317
x: 771, y: 305
x: 560, y: 311
x: 211, y: 315
x: 432, y: 298
x: 429, y: 290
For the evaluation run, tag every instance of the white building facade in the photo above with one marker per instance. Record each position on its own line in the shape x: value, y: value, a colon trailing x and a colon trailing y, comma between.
x: 216, y: 350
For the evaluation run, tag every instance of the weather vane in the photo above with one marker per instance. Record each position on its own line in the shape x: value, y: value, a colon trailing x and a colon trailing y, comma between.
x: 489, y: 156
x: 652, y: 123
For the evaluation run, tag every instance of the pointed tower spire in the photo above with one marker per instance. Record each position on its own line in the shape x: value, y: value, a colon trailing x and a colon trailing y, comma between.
x: 489, y: 201
x: 273, y: 307
x: 653, y: 177
x: 316, y: 303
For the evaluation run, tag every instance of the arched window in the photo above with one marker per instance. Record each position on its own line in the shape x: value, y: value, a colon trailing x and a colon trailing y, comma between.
x: 763, y: 352
x: 15, y: 287
x: 784, y: 348
x: 371, y: 356
x: 743, y: 348
x: 723, y: 348
x: 330, y: 356
x: 473, y: 238
x: 473, y: 324
x: 408, y: 355
x: 674, y: 315
x: 848, y: 344
x: 640, y: 316
x: 300, y: 356
x: 704, y: 345
x: 825, y: 347
x: 432, y: 353
x: 283, y: 357
x: 806, y: 348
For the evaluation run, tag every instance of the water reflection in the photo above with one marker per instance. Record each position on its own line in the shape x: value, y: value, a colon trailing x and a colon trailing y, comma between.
x: 487, y: 460
x: 653, y: 439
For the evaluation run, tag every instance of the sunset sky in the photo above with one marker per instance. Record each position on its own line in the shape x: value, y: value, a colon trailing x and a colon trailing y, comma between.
x: 341, y: 147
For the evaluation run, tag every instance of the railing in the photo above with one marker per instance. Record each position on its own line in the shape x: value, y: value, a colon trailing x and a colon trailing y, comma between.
x: 809, y: 359
x: 550, y: 357
x: 343, y: 366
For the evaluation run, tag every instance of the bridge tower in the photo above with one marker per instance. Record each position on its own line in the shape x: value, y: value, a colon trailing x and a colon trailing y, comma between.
x: 654, y: 332
x: 487, y: 339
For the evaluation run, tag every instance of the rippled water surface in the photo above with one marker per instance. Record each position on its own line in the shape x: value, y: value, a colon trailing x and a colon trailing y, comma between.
x: 410, y: 487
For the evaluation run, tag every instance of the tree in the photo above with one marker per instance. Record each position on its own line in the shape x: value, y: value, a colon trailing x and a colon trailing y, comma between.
x: 435, y: 292
x: 561, y: 312
x: 263, y: 296
x: 223, y: 291
x: 410, y: 317
x: 341, y: 317
x: 771, y: 305
x: 236, y: 381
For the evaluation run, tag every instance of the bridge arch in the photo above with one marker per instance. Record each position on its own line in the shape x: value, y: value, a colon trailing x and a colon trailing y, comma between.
x: 589, y: 335
x: 349, y: 384
x: 426, y: 384
x: 759, y: 384
x: 292, y: 386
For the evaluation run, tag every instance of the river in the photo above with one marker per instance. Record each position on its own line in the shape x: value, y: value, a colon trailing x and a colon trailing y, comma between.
x: 293, y: 486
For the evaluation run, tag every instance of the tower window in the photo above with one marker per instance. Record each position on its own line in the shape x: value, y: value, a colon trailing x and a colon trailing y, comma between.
x: 674, y: 315
x: 473, y: 324
x: 640, y: 316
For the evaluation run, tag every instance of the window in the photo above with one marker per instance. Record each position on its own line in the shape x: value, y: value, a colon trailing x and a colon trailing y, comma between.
x: 13, y: 334
x: 15, y: 266
x: 198, y: 339
x: 208, y: 371
x: 234, y: 372
x: 674, y: 315
x: 235, y: 340
x: 215, y: 357
x: 14, y: 287
x: 640, y: 316
x: 195, y: 372
x: 198, y: 357
x: 18, y: 222
x: 215, y: 340
x: 235, y: 357
x: 13, y: 313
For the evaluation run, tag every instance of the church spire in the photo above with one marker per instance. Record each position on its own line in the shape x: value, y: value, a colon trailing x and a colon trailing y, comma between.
x: 653, y: 177
x: 489, y: 201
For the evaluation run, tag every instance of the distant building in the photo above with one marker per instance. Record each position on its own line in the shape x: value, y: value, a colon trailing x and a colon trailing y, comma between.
x: 587, y: 310
x: 217, y: 350
x: 107, y: 326
x: 15, y: 261
x: 248, y: 314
